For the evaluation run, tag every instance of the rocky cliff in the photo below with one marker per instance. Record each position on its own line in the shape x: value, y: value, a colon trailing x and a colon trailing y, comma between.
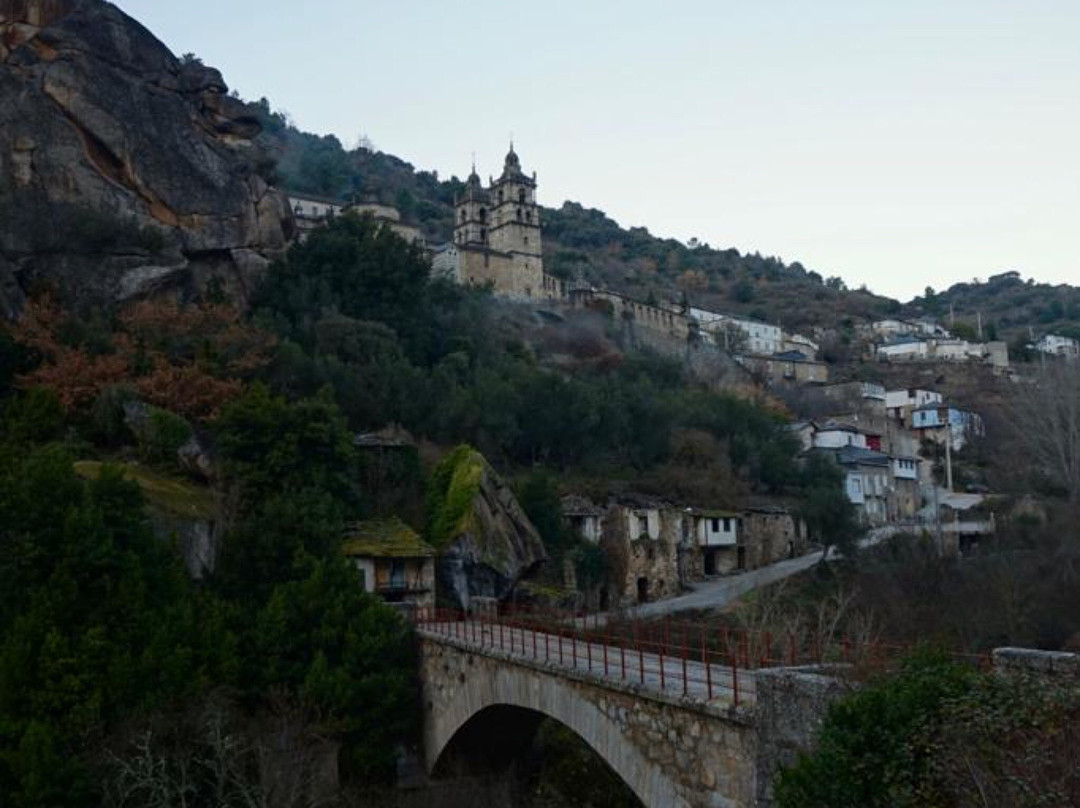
x: 124, y: 171
x: 487, y: 543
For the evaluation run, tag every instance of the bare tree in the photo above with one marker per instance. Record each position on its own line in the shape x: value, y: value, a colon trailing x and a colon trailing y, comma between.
x: 1045, y: 415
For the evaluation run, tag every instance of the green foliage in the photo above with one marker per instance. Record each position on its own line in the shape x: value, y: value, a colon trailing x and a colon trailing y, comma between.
x: 538, y: 496
x: 270, y: 445
x: 283, y: 531
x: 865, y: 755
x: 165, y: 433
x: 96, y: 617
x: 453, y: 487
x: 350, y: 657
x: 830, y: 517
x: 33, y: 417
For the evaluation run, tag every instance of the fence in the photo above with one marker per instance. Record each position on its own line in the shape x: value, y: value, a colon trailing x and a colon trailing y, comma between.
x: 703, y: 659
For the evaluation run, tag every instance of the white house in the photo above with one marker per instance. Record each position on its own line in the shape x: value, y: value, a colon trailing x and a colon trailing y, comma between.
x: 903, y: 348
x: 932, y: 422
x: 1058, y: 346
x: 309, y: 206
x: 833, y: 435
x: 900, y: 403
x: 761, y: 338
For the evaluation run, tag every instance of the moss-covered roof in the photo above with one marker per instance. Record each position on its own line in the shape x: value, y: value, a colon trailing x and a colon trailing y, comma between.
x: 172, y: 496
x: 384, y: 538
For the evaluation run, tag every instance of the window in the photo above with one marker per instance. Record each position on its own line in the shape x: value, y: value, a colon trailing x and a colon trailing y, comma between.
x: 463, y: 214
x: 727, y: 524
x: 518, y: 214
x: 483, y: 234
x: 643, y: 526
x: 483, y: 214
x: 521, y: 195
x: 716, y: 525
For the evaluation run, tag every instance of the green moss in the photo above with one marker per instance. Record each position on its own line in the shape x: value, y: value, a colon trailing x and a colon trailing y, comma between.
x: 385, y: 538
x: 162, y: 493
x: 453, y: 487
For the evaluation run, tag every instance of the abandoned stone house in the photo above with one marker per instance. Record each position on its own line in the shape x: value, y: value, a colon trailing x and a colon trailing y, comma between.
x: 392, y: 561
x: 654, y: 548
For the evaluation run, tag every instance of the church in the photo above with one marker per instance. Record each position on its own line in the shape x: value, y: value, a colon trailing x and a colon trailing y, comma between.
x: 497, y: 240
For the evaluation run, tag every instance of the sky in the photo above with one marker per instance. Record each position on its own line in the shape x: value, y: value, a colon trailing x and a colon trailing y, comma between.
x: 895, y: 144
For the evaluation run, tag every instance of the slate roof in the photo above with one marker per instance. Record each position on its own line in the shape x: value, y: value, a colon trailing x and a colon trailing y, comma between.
x: 849, y: 455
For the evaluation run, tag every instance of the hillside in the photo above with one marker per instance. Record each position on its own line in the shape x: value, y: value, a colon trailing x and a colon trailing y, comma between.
x: 1011, y: 308
x: 578, y: 241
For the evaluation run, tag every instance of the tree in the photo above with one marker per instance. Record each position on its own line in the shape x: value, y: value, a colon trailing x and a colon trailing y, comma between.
x: 829, y: 515
x: 1045, y: 416
x: 864, y: 755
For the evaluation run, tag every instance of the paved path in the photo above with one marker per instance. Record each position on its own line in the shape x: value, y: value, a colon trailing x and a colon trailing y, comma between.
x: 719, y: 592
x: 677, y: 672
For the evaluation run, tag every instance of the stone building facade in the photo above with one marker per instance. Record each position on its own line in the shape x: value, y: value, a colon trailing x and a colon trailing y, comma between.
x: 655, y: 548
x: 497, y: 235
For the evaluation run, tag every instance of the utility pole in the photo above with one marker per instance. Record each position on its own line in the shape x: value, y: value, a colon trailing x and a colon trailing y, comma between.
x: 948, y: 454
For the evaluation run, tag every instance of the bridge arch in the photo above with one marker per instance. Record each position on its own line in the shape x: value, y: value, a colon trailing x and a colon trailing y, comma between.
x: 479, y: 715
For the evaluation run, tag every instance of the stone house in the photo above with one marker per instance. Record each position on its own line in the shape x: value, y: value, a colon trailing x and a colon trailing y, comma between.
x: 393, y: 561
x: 768, y: 534
x: 582, y: 517
x: 789, y: 367
x: 641, y: 537
x: 710, y: 543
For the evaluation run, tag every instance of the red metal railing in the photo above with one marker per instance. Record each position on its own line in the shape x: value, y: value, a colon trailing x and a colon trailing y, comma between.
x: 700, y: 659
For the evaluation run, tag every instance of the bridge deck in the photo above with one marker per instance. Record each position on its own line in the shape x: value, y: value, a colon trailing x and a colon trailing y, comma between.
x: 675, y: 675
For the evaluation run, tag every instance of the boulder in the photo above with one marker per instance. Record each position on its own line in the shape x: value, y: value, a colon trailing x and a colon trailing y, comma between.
x: 487, y: 543
x: 124, y: 171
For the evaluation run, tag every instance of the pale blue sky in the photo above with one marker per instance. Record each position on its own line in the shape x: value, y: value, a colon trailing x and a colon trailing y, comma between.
x: 898, y: 144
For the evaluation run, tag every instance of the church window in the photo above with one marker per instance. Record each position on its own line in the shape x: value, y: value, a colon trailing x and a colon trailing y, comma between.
x: 521, y: 195
x: 483, y: 214
x: 518, y: 214
x: 500, y: 195
x: 463, y: 215
x: 526, y: 239
x: 528, y: 216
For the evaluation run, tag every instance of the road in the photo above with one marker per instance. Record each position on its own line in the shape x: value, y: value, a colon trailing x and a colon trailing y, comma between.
x: 719, y: 592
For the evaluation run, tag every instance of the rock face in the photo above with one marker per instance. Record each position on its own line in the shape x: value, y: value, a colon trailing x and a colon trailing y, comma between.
x: 488, y: 543
x: 124, y: 172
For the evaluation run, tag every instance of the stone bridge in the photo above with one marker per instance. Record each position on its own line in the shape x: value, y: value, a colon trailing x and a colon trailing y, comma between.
x: 679, y: 732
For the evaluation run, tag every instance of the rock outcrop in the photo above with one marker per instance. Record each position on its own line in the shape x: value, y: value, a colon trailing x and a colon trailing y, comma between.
x: 124, y: 171
x: 487, y: 544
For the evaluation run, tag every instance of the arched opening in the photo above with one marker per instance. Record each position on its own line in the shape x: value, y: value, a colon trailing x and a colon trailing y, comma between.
x: 483, y: 214
x: 521, y: 195
x: 549, y: 763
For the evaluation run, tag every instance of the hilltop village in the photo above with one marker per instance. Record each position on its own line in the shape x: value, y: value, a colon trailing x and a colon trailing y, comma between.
x: 896, y: 447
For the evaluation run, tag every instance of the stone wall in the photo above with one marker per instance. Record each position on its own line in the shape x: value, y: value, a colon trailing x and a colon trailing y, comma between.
x: 516, y: 276
x: 791, y: 704
x: 671, y: 752
x: 1053, y: 665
